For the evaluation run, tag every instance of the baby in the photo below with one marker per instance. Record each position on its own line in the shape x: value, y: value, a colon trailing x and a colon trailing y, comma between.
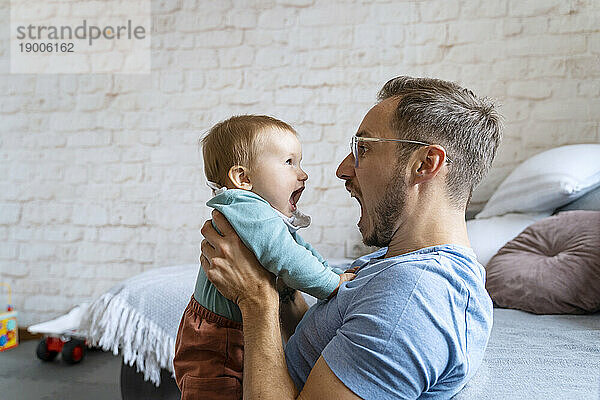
x: 252, y: 163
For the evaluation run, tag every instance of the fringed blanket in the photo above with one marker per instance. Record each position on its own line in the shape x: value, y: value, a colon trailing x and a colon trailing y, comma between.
x: 140, y: 317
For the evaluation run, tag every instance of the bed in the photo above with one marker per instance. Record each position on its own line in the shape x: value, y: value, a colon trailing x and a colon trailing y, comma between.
x: 528, y: 356
x: 539, y: 357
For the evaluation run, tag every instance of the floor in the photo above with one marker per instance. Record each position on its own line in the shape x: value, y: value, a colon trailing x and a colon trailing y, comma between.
x: 23, y: 376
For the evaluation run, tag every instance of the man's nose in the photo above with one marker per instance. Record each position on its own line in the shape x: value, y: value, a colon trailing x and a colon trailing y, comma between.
x: 346, y: 168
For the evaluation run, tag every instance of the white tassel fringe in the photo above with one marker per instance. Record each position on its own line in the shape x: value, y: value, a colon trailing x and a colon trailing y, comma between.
x: 112, y: 324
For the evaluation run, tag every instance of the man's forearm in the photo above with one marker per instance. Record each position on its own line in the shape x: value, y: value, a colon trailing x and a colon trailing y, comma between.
x: 265, y: 371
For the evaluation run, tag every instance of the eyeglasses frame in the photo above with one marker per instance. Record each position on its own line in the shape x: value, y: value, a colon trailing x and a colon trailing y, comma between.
x: 355, y: 139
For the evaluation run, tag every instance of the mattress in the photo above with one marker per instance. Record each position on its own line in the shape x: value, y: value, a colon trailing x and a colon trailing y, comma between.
x: 528, y: 356
x: 539, y: 357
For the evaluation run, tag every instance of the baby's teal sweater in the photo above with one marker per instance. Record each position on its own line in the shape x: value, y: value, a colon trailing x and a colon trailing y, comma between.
x: 279, y: 250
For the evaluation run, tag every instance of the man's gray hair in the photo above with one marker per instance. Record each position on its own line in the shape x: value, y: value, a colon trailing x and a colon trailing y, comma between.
x: 441, y: 112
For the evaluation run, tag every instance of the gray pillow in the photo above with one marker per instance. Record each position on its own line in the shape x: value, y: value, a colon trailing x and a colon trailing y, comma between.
x: 589, y: 201
x: 552, y: 267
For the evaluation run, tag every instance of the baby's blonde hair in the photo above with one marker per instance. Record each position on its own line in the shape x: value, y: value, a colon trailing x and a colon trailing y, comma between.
x: 235, y: 141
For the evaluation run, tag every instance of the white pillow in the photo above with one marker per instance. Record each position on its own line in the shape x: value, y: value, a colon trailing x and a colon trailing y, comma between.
x: 547, y: 181
x: 488, y: 235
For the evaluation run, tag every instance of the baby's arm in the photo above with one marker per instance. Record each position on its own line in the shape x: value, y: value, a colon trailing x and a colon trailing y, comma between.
x: 344, y: 276
x: 308, y: 247
x: 265, y: 233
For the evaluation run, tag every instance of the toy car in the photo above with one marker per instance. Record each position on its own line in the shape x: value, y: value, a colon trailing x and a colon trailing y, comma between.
x: 72, y: 350
x: 61, y: 336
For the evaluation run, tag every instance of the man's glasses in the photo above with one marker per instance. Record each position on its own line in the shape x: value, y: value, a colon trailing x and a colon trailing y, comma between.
x: 355, y: 139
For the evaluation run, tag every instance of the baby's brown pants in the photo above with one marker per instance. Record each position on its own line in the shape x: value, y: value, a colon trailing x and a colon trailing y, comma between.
x: 209, y: 355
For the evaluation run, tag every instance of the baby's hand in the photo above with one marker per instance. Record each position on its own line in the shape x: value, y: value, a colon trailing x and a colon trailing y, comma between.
x: 345, y: 277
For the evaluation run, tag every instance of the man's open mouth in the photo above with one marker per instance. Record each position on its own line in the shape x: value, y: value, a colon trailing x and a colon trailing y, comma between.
x: 353, y: 194
x: 295, y: 197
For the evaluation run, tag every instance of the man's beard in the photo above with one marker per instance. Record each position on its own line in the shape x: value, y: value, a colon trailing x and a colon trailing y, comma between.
x: 387, y: 212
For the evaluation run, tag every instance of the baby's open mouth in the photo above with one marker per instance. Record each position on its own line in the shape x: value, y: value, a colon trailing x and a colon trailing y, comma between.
x: 295, y: 197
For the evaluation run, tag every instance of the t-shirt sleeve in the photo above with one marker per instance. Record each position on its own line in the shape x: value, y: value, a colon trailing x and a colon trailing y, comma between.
x: 267, y: 236
x: 390, y: 345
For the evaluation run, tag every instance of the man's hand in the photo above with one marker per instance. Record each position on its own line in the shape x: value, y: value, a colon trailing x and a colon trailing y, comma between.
x: 233, y: 268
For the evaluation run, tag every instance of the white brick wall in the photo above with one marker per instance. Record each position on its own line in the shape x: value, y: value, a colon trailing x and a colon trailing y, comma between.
x: 100, y: 175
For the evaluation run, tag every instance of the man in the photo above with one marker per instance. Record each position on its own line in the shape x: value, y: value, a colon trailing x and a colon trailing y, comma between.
x: 415, y: 321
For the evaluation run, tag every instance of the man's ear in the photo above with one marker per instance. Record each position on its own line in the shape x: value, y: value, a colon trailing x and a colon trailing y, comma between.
x: 238, y: 175
x: 428, y: 163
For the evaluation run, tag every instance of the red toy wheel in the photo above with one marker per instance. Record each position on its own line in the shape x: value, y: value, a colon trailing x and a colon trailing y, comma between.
x: 73, y: 351
x: 43, y: 353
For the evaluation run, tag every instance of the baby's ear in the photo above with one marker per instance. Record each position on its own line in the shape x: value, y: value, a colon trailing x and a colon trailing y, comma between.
x: 239, y: 177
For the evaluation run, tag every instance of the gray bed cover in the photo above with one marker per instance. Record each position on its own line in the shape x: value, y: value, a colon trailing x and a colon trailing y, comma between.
x: 539, y: 357
x: 528, y: 357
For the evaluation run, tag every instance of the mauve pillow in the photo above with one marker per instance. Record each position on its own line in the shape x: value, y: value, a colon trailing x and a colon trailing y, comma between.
x: 552, y: 267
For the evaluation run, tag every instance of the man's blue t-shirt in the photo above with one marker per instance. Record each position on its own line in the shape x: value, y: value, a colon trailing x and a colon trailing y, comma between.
x: 411, y: 326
